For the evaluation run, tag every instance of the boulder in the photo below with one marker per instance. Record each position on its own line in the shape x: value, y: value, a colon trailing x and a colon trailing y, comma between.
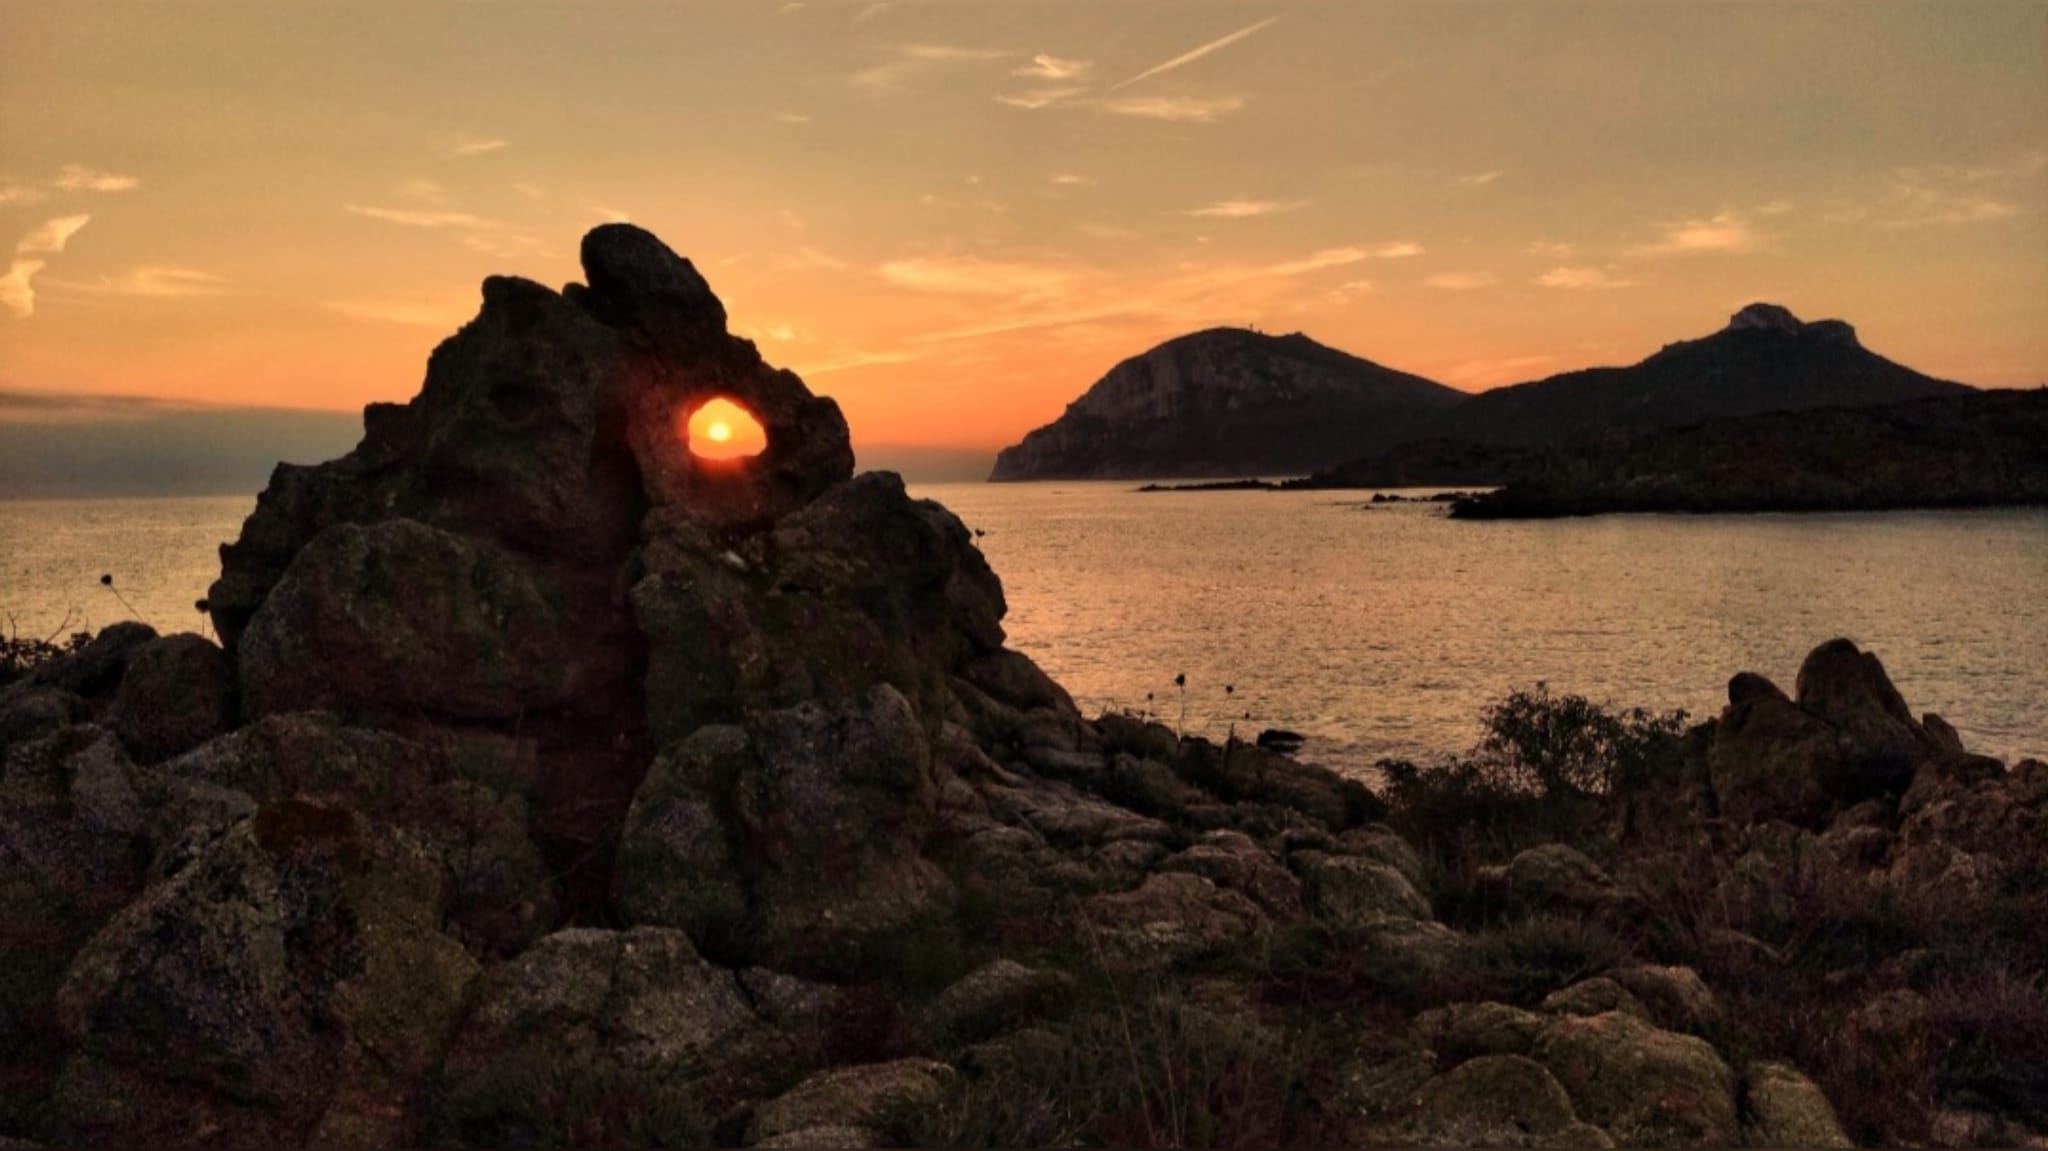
x: 588, y: 1020
x: 1354, y: 892
x: 1640, y: 1084
x: 292, y: 963
x: 990, y: 999
x: 1499, y: 1101
x: 832, y: 1106
x: 177, y: 693
x: 1462, y: 1031
x: 1232, y: 860
x: 1169, y: 919
x: 1676, y: 997
x: 1594, y: 997
x: 1554, y: 876
x: 1771, y: 759
x: 1848, y: 688
x: 1783, y: 1108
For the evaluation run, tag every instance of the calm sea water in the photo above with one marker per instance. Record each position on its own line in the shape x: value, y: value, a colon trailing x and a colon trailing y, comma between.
x: 1374, y: 629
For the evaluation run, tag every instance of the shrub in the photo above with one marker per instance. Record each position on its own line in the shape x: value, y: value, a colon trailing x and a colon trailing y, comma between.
x: 19, y: 656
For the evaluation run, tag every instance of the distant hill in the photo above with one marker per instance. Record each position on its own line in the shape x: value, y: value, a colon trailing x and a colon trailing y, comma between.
x: 1975, y: 449
x: 1227, y: 402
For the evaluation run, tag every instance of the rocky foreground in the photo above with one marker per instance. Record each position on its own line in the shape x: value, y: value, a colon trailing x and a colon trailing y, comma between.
x: 551, y: 786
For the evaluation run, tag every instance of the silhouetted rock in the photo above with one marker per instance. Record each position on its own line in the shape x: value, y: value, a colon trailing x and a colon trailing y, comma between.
x: 176, y: 693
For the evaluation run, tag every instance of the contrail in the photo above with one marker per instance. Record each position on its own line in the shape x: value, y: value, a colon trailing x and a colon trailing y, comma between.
x: 1198, y: 53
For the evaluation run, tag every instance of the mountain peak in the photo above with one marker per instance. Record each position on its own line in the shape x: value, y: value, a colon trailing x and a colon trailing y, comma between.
x: 1762, y: 317
x: 1765, y: 317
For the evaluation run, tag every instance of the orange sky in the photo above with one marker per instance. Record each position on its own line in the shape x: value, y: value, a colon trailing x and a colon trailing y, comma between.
x: 955, y: 216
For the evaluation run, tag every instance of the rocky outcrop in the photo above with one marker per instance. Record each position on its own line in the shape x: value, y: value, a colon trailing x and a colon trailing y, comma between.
x: 1226, y: 402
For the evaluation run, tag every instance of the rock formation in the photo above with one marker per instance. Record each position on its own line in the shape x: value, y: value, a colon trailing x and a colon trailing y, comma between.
x: 556, y: 787
x: 1227, y: 402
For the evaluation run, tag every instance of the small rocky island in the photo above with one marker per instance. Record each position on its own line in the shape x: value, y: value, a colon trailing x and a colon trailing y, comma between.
x: 552, y: 786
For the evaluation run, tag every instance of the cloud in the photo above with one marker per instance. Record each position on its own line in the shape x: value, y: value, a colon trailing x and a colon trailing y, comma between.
x: 426, y: 191
x: 1397, y: 250
x: 16, y: 293
x: 1032, y: 99
x: 971, y: 275
x: 79, y: 178
x: 792, y: 117
x: 51, y: 235
x: 1045, y: 67
x: 1069, y: 179
x: 1317, y: 261
x: 1241, y: 209
x: 1351, y: 289
x: 21, y: 194
x: 1195, y: 54
x: 1551, y: 249
x: 1462, y: 281
x: 479, y: 147
x: 1774, y: 208
x: 1582, y: 278
x: 153, y: 281
x: 848, y: 361
x: 424, y: 218
x: 17, y: 290
x: 1191, y: 109
x: 909, y: 60
x: 1724, y: 232
x: 1479, y: 178
x: 870, y: 12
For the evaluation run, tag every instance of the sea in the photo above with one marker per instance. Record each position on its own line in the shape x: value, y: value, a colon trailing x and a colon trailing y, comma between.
x: 1376, y: 630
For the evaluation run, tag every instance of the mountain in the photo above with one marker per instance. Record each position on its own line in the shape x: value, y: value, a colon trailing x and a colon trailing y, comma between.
x: 1765, y: 360
x: 1227, y: 402
x: 1977, y: 449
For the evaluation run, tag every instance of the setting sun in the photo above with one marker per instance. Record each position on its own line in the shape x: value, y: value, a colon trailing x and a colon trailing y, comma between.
x: 722, y: 430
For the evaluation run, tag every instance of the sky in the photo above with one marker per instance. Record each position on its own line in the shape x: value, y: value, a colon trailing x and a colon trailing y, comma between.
x: 955, y: 216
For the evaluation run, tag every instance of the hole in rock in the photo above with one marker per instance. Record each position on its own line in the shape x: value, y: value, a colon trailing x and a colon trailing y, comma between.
x: 723, y: 430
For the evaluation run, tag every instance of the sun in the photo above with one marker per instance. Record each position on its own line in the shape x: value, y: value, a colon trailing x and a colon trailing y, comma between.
x: 720, y: 430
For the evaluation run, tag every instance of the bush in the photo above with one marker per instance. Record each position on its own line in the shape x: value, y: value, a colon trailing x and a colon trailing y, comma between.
x: 19, y: 656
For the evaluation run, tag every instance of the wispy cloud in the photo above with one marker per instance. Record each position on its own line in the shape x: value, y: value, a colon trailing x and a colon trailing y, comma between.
x: 1950, y: 195
x: 423, y: 217
x: 1032, y: 99
x: 79, y: 178
x: 792, y: 117
x: 1552, y: 249
x: 21, y: 194
x: 1479, y: 178
x: 1193, y: 109
x: 1397, y: 250
x: 1774, y: 208
x: 17, y: 288
x: 425, y: 191
x: 51, y: 235
x: 1241, y: 209
x: 1724, y: 232
x: 910, y: 60
x: 971, y: 275
x: 152, y: 281
x: 1045, y: 67
x: 871, y: 12
x: 1317, y: 261
x: 1070, y: 179
x: 1462, y: 281
x: 1192, y: 55
x: 477, y: 147
x: 1583, y: 279
x: 848, y: 361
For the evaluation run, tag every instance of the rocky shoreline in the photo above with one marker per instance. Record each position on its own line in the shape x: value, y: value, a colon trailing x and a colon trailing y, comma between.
x: 551, y: 786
